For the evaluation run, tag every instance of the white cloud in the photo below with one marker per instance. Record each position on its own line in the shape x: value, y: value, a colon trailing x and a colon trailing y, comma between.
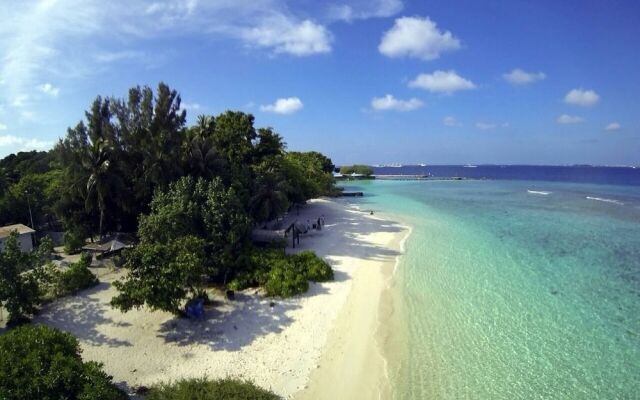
x: 115, y: 56
x: 20, y: 100
x: 451, y: 121
x: 581, y: 97
x: 190, y: 106
x: 8, y: 140
x: 24, y: 143
x: 614, y: 126
x: 49, y: 89
x: 569, y: 119
x: 486, y: 125
x: 441, y: 82
x: 36, y: 144
x: 284, y: 36
x: 520, y: 77
x: 3, y: 127
x: 418, y: 38
x: 60, y: 40
x: 389, y: 102
x: 287, y: 105
x: 363, y: 9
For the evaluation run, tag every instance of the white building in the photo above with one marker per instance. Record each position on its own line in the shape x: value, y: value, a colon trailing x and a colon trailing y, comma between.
x: 25, y: 236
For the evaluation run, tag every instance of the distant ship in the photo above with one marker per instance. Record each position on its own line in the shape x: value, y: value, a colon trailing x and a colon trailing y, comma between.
x: 422, y: 165
x: 470, y: 166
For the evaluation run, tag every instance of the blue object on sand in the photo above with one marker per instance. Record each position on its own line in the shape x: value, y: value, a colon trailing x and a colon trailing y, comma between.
x: 195, y: 308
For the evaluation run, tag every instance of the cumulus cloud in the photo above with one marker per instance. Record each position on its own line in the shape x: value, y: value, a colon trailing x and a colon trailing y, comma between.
x: 486, y: 125
x: 287, y: 105
x: 49, y: 89
x: 520, y: 77
x: 363, y: 9
x: 442, y: 82
x: 190, y: 106
x: 614, y: 126
x: 418, y: 38
x: 285, y: 36
x: 7, y: 140
x: 581, y: 97
x: 24, y: 143
x: 451, y: 121
x: 569, y: 119
x: 65, y: 39
x: 389, y: 102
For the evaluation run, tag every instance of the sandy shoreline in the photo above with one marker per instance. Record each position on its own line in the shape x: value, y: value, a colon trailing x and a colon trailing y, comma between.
x: 319, y: 345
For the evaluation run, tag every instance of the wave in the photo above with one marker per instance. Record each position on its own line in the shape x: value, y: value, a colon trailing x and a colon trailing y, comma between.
x: 538, y: 192
x: 606, y: 200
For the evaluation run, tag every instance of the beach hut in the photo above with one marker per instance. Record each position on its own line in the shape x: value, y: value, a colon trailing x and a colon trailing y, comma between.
x: 25, y: 236
x: 108, y: 247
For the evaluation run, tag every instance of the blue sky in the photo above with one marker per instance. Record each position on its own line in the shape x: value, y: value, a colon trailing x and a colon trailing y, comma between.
x: 457, y: 81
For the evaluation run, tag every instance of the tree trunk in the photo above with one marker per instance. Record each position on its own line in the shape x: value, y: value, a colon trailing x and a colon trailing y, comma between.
x: 101, y: 219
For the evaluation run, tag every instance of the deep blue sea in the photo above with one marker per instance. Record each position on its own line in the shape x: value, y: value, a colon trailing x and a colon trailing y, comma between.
x: 586, y: 174
x: 525, y: 285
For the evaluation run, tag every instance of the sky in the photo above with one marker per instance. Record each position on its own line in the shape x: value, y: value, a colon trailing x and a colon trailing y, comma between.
x: 378, y: 81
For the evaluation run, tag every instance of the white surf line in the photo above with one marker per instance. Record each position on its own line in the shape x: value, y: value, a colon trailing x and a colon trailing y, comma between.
x: 538, y: 192
x: 606, y: 200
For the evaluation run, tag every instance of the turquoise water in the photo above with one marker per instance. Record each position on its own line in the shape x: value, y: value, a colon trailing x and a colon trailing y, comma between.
x: 508, y: 294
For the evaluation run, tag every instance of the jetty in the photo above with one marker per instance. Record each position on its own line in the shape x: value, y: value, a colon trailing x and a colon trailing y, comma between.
x: 351, y: 194
x: 416, y: 178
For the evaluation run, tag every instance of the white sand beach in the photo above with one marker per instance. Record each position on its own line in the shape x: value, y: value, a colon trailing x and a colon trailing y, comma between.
x: 318, y: 345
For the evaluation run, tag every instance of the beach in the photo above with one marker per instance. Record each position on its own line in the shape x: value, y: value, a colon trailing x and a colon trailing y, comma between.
x: 323, y: 344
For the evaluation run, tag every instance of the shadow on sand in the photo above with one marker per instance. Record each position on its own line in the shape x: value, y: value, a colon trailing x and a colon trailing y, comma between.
x: 81, y: 315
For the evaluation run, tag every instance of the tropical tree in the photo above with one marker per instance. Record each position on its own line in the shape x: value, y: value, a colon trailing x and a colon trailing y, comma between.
x: 39, y: 362
x: 270, y: 195
x: 197, y: 230
x: 203, y: 159
x: 102, y: 180
x: 19, y: 289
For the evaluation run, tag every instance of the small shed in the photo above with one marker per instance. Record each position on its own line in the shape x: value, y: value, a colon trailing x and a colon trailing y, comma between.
x: 25, y: 236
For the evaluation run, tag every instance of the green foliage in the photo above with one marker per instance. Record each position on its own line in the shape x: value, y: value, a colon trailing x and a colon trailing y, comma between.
x: 310, y: 175
x: 203, y: 389
x: 317, y: 269
x: 356, y: 169
x: 73, y: 240
x: 19, y: 290
x: 286, y: 279
x: 76, y: 278
x: 36, y: 191
x: 39, y: 362
x: 283, y: 275
x: 162, y: 275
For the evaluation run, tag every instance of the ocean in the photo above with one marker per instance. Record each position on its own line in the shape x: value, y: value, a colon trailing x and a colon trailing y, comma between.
x: 523, y: 285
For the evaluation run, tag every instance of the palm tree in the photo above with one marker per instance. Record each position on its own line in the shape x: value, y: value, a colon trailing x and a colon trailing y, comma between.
x: 203, y: 158
x: 102, y: 180
x: 270, y: 198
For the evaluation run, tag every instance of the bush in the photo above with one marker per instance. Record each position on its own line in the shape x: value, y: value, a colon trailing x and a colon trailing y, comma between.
x: 73, y: 241
x: 77, y: 277
x: 286, y: 279
x: 281, y: 274
x: 39, y: 362
x: 317, y: 269
x: 203, y: 389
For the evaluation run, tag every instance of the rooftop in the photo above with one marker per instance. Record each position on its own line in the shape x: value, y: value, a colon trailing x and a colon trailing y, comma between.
x: 5, y: 231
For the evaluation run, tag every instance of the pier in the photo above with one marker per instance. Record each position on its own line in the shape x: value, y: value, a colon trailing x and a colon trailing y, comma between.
x: 416, y: 178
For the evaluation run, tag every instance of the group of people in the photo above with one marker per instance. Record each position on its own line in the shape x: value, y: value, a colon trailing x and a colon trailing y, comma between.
x: 317, y: 225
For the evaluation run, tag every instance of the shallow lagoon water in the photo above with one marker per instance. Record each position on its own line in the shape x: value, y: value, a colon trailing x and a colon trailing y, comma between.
x: 510, y: 293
